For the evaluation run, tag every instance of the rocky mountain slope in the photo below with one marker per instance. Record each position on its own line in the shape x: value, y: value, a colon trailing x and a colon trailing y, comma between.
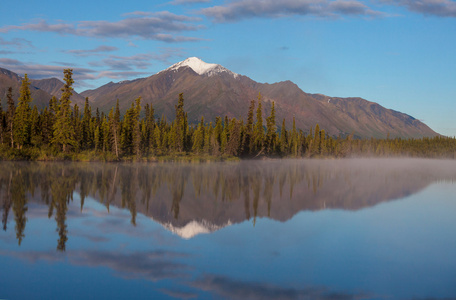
x: 211, y: 90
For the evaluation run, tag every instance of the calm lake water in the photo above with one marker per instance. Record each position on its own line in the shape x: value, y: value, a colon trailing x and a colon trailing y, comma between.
x: 286, y: 229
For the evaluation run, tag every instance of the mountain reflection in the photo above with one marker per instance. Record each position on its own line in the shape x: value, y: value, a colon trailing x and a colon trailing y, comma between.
x: 194, y: 198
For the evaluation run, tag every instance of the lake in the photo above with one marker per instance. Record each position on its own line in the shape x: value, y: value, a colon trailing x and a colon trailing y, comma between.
x: 280, y: 229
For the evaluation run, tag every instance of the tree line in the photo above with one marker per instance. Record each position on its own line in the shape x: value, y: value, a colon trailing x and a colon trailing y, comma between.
x: 62, y: 131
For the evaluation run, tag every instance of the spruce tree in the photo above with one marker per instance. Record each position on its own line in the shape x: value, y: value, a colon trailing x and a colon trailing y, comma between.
x: 294, y: 139
x: 271, y: 131
x: 112, y: 133
x: 10, y: 112
x: 283, y: 139
x: 316, y: 144
x: 234, y: 140
x: 77, y: 125
x: 259, y: 130
x: 36, y: 127
x: 136, y: 130
x: 126, y: 140
x: 148, y: 130
x: 198, y: 138
x: 157, y: 138
x: 115, y: 127
x: 87, y: 139
x: 63, y: 128
x: 97, y: 138
x: 22, y: 126
x: 247, y: 141
x: 216, y: 139
x: 2, y: 123
x: 179, y: 133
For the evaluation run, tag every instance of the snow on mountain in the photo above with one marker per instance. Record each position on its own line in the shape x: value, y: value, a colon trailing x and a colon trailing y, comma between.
x: 194, y: 228
x: 200, y: 67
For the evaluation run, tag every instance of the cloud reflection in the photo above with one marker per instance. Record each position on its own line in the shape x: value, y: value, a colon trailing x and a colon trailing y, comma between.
x: 160, y: 265
x: 153, y: 266
x: 156, y: 265
x: 225, y: 287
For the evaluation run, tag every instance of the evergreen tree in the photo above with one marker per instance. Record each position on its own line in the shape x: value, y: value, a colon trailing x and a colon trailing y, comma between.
x: 126, y: 140
x: 114, y: 126
x: 271, y: 131
x: 106, y: 133
x: 180, y: 126
x: 131, y: 134
x: 283, y: 139
x: 36, y: 127
x: 322, y: 145
x: 157, y: 138
x: 96, y: 137
x: 148, y: 130
x: 63, y: 128
x: 22, y: 126
x: 46, y: 126
x: 198, y: 138
x: 97, y: 117
x: 259, y: 130
x: 2, y: 123
x: 87, y: 139
x: 234, y: 140
x: 294, y: 140
x: 136, y: 129
x: 247, y: 142
x: 217, y: 135
x: 77, y: 125
x: 208, y: 139
x: 316, y: 144
x: 10, y: 112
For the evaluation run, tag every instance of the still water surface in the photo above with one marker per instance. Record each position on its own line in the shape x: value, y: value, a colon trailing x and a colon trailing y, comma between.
x: 287, y: 229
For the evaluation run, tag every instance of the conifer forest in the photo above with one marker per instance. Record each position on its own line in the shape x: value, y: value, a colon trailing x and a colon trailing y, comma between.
x: 65, y: 132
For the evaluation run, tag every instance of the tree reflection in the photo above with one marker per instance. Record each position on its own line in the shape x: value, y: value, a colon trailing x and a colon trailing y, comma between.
x: 6, y: 199
x: 18, y: 188
x: 62, y: 188
x: 212, y: 193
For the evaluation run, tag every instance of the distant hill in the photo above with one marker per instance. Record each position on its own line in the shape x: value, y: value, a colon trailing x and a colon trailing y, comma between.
x: 42, y: 90
x: 211, y: 90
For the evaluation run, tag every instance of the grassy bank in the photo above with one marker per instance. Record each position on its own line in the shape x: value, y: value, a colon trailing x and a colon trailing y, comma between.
x: 51, y: 154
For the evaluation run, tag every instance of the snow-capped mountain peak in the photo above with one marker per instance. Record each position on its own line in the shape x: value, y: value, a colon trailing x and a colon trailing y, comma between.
x: 200, y: 67
x: 194, y: 228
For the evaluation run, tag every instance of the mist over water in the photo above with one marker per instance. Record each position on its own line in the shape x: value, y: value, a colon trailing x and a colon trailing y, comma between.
x: 288, y: 229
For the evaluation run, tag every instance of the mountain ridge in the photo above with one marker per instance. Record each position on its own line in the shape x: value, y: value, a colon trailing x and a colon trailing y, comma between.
x: 42, y: 90
x: 210, y: 94
x: 211, y: 90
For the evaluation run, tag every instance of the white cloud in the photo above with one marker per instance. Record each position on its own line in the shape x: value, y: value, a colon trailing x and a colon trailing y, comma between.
x: 244, y: 9
x: 162, y: 26
x: 440, y: 8
x: 89, y: 52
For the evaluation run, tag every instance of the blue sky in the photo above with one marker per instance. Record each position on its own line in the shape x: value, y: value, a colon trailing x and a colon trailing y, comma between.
x: 398, y: 53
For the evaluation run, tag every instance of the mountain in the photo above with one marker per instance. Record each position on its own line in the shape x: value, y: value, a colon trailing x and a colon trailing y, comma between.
x: 53, y: 86
x: 211, y: 90
x: 42, y: 90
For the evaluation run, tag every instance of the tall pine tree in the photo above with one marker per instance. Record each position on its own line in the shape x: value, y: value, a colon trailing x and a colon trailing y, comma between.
x: 63, y: 127
x: 22, y: 125
x: 259, y: 130
x: 180, y: 126
x: 271, y: 131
